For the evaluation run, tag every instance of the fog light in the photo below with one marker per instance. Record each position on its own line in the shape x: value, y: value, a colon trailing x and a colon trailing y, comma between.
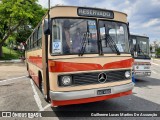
x: 66, y: 80
x: 137, y: 67
x: 127, y: 74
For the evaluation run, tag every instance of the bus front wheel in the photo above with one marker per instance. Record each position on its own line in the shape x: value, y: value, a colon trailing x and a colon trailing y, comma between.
x: 28, y: 71
x: 41, y: 86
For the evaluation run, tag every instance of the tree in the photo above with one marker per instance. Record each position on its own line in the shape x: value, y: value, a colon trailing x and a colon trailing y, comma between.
x: 16, y: 13
x: 156, y: 45
x: 22, y: 34
x: 158, y: 52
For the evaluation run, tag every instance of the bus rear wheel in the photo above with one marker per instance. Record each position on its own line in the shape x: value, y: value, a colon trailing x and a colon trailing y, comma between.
x: 29, y: 76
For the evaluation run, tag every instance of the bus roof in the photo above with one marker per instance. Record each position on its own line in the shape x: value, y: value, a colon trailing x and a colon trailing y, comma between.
x: 140, y: 36
x: 71, y: 11
x: 87, y: 7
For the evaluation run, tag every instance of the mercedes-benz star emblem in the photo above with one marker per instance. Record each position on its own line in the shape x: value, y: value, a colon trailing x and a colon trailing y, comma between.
x: 102, y: 77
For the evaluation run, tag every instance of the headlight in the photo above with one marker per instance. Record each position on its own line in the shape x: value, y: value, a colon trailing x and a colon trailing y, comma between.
x: 127, y: 74
x: 66, y: 80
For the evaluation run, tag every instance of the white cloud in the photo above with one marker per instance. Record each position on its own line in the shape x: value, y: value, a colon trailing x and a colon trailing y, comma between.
x: 151, y: 22
x: 155, y: 2
x: 44, y: 3
x: 143, y: 15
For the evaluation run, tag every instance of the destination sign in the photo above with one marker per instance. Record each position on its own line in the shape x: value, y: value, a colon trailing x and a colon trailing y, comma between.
x: 93, y: 12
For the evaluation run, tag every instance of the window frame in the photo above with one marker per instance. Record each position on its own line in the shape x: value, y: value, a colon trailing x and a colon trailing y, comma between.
x: 98, y: 49
x: 39, y: 40
x: 35, y: 39
x: 127, y: 37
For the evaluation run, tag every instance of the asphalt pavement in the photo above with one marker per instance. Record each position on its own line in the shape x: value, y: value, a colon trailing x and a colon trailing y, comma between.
x: 19, y: 93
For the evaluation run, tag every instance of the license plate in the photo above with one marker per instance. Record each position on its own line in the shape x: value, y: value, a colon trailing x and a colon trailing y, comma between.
x: 146, y: 67
x: 104, y: 91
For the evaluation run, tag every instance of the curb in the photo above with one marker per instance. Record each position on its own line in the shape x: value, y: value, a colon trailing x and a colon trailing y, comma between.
x: 12, y: 61
x: 155, y: 59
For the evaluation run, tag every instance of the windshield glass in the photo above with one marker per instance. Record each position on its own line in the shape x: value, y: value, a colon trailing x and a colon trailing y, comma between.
x: 117, y: 32
x: 142, y: 46
x: 69, y: 35
x: 139, y: 46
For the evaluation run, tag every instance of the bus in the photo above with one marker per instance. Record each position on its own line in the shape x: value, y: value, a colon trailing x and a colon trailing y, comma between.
x: 140, y: 51
x: 80, y: 54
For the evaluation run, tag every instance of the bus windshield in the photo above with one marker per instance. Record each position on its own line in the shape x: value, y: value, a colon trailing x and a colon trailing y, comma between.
x: 117, y: 33
x: 142, y: 46
x: 139, y: 46
x: 69, y: 35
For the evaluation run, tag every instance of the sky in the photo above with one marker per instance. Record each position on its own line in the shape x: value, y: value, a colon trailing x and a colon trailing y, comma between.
x: 143, y: 15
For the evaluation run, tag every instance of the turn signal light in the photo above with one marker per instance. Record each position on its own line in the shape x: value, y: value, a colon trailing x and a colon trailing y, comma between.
x: 52, y: 65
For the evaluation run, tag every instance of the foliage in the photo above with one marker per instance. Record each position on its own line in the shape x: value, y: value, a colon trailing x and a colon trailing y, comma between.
x: 11, y: 39
x: 10, y: 54
x: 15, y: 13
x: 158, y: 51
x: 151, y: 48
x: 22, y: 35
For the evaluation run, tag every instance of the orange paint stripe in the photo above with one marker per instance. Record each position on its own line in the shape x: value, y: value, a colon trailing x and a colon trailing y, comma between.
x: 34, y: 77
x: 72, y: 67
x: 36, y: 61
x: 87, y: 100
x: 58, y: 66
x: 119, y: 64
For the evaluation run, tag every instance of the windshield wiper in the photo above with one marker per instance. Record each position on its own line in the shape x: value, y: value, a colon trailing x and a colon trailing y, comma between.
x: 140, y: 51
x: 111, y: 42
x: 84, y: 41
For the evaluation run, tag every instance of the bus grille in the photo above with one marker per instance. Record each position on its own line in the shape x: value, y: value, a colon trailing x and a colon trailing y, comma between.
x: 92, y: 78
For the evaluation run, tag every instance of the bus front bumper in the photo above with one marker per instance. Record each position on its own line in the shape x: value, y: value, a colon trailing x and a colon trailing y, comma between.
x: 81, y: 94
x: 142, y: 73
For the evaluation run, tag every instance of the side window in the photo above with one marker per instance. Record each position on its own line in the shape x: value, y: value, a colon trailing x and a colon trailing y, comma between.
x: 56, y: 33
x: 39, y: 40
x: 31, y: 41
x: 57, y: 46
x: 134, y: 41
x: 35, y: 38
x: 28, y: 44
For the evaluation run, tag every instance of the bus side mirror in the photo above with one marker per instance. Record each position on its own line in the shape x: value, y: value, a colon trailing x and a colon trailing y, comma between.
x: 25, y: 47
x: 47, y: 26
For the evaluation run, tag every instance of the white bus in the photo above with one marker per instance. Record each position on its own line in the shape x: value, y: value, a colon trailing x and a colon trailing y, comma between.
x: 140, y: 52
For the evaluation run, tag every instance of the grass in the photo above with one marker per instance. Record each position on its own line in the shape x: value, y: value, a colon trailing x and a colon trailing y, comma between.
x: 10, y: 54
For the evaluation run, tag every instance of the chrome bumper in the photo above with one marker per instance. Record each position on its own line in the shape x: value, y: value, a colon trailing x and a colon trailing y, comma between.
x: 142, y: 73
x: 89, y: 93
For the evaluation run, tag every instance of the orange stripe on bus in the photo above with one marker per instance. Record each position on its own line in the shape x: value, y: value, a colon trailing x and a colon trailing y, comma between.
x: 70, y: 66
x: 87, y: 100
x: 119, y: 64
x: 58, y: 66
x: 36, y: 61
x: 34, y: 77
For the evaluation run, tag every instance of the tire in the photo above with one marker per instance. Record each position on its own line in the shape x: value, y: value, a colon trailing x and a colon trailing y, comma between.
x: 29, y: 76
x: 41, y: 87
x: 41, y: 83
